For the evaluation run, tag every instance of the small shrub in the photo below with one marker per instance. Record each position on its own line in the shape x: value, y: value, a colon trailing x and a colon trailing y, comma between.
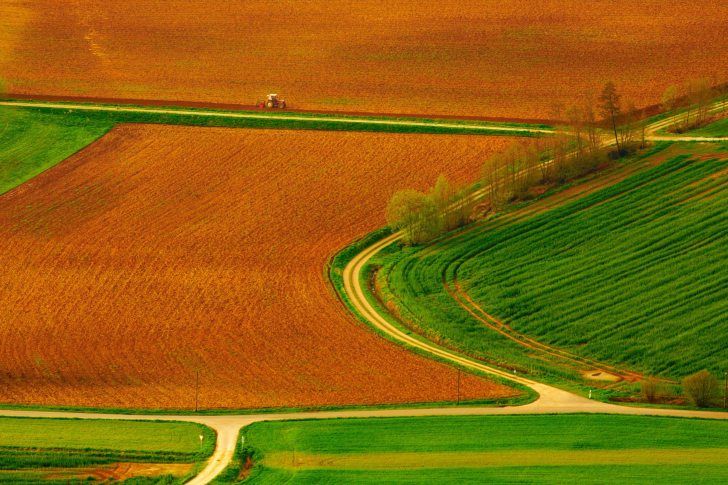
x: 650, y: 390
x: 700, y: 387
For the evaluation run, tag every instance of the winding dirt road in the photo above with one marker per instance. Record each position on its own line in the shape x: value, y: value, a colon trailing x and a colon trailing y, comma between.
x: 551, y: 400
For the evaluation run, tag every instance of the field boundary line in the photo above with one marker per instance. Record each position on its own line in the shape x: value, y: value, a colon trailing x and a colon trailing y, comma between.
x: 452, y: 126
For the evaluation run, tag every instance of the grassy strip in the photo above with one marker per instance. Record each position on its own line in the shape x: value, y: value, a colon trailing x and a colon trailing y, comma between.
x: 180, y: 438
x: 39, y: 478
x: 277, y: 113
x: 190, y: 117
x: 28, y: 445
x: 530, y: 441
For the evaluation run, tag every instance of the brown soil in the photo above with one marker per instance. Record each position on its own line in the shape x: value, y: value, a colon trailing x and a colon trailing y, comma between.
x: 121, y: 471
x: 664, y: 400
x: 509, y: 58
x: 160, y: 250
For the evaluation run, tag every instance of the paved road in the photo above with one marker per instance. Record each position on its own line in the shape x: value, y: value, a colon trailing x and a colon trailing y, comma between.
x: 551, y: 400
x: 215, y: 114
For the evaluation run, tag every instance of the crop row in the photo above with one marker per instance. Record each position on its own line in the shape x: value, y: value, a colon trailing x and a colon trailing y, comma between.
x: 163, y: 251
x: 632, y: 274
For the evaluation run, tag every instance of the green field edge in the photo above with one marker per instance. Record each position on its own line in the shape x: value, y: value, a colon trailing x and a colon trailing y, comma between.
x: 197, y: 459
x: 244, y: 452
x: 335, y: 270
x: 277, y: 119
x: 582, y: 389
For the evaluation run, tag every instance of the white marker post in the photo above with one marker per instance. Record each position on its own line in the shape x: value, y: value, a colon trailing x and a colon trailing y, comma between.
x: 201, y: 438
x: 589, y: 393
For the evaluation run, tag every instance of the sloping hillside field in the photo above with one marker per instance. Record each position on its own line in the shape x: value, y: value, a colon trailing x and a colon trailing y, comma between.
x: 634, y: 274
x: 159, y: 251
x: 509, y: 58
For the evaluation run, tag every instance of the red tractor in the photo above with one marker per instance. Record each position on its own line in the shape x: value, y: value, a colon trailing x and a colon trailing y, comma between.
x: 272, y: 101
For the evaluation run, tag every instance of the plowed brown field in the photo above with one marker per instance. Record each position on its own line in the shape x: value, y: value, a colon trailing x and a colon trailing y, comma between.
x: 160, y: 250
x: 463, y: 57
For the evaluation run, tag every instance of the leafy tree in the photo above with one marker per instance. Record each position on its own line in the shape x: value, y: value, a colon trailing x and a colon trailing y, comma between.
x: 406, y: 210
x: 610, y: 108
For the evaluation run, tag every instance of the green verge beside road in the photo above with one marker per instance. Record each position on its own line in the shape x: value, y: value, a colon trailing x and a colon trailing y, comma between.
x: 633, y: 274
x: 302, y: 121
x: 335, y: 274
x: 31, y: 449
x: 549, y: 449
x: 717, y: 129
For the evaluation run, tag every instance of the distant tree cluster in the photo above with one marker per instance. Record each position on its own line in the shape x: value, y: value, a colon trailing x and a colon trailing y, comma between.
x: 578, y: 148
x: 426, y: 216
x: 573, y: 152
x: 696, y: 95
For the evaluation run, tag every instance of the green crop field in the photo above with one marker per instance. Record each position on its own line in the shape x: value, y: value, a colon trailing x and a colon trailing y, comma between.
x: 549, y: 449
x: 633, y: 274
x: 34, y: 449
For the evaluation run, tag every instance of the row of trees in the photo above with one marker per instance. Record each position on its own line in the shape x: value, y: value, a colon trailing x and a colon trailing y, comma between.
x: 696, y: 95
x: 701, y: 388
x: 576, y: 150
x: 426, y: 216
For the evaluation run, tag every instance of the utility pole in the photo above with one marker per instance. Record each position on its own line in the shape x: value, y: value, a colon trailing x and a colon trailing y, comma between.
x: 197, y: 386
x: 458, y: 402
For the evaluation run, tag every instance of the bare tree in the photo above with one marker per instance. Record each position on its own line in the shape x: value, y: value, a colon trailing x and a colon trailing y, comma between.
x: 575, y: 117
x: 642, y: 128
x: 491, y: 178
x: 690, y: 96
x: 593, y: 134
x: 669, y: 100
x: 610, y: 108
x: 701, y: 388
x: 627, y: 126
x: 703, y: 95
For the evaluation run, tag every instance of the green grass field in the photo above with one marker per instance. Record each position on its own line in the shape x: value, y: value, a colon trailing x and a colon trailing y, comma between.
x: 30, y: 447
x: 633, y: 274
x: 719, y: 128
x: 548, y: 449
x: 31, y: 142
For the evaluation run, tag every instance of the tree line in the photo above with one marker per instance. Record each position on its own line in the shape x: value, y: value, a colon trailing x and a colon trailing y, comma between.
x: 426, y: 216
x: 696, y: 95
x: 575, y: 150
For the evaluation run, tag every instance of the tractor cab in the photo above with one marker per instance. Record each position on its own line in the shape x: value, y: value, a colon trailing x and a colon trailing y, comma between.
x: 271, y: 101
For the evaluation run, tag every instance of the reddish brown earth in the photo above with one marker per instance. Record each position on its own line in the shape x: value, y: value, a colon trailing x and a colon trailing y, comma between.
x: 161, y: 250
x: 484, y: 58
